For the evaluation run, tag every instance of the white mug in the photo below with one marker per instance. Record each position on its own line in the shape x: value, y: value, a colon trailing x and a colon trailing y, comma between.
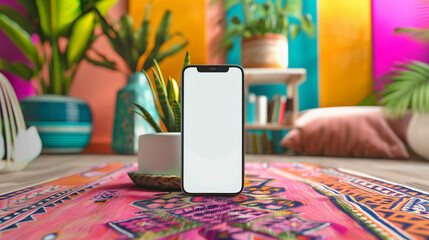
x: 160, y: 153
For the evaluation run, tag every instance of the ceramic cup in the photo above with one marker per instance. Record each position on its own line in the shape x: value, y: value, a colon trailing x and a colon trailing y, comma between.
x: 160, y: 153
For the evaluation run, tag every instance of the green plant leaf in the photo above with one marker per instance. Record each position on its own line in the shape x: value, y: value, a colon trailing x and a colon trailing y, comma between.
x: 104, y: 63
x: 17, y: 68
x: 172, y: 90
x: 57, y: 73
x: 20, y: 37
x: 173, y: 49
x: 187, y: 60
x: 143, y: 33
x: 307, y: 25
x: 155, y: 98
x: 103, y: 6
x: 177, y: 115
x: 165, y: 105
x: 159, y: 73
x: 409, y: 88
x: 17, y: 17
x: 235, y: 20
x: 80, y: 38
x: 57, y: 16
x: 30, y: 8
x: 146, y: 115
x: 293, y: 8
x: 294, y: 30
x: 419, y: 34
x: 126, y: 31
x: 370, y: 100
x: 162, y: 33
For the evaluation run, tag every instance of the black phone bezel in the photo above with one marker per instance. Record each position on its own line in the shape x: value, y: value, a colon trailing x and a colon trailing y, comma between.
x: 220, y: 69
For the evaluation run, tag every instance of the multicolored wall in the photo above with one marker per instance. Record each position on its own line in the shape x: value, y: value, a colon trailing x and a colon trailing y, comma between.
x: 354, y: 46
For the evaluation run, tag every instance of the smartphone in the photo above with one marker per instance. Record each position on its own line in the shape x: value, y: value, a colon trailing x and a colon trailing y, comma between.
x: 212, y: 129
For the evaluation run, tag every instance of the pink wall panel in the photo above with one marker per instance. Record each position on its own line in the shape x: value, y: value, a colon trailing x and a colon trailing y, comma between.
x: 389, y: 48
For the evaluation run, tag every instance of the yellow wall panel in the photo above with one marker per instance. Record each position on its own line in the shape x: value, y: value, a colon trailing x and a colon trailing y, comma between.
x: 345, y: 51
x: 187, y: 18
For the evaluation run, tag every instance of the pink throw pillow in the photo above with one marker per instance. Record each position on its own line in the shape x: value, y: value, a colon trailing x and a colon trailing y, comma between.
x: 345, y: 131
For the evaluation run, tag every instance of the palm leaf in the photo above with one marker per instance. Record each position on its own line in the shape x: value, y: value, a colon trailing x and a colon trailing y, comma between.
x: 409, y: 88
x: 146, y: 115
x: 177, y: 115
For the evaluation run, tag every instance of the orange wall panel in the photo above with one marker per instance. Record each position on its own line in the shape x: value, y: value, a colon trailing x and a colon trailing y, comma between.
x: 345, y: 51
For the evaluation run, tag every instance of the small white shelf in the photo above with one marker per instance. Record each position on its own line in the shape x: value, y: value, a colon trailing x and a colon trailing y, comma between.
x: 268, y: 126
x: 263, y: 76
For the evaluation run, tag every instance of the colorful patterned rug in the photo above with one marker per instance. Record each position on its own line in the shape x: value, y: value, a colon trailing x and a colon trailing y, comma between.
x: 286, y: 201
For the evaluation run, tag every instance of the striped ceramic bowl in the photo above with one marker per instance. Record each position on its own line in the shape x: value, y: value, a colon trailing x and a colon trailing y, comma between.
x: 64, y: 123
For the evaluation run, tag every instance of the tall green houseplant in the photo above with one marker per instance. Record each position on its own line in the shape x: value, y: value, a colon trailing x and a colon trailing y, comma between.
x: 52, y: 21
x: 139, y: 55
x: 54, y: 35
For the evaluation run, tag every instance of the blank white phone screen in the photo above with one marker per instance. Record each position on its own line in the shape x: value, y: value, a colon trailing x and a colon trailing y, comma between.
x: 212, y: 131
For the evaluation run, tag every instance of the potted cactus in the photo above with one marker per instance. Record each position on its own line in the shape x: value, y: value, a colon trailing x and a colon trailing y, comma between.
x: 54, y: 36
x: 160, y: 153
x: 131, y: 46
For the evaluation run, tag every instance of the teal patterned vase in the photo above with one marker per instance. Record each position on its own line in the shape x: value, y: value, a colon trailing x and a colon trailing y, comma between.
x: 129, y: 126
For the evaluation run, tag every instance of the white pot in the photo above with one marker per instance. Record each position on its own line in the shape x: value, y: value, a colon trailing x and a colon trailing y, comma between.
x: 267, y: 51
x: 418, y: 134
x: 160, y: 153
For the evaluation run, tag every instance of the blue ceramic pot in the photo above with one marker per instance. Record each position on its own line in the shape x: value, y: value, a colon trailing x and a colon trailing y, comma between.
x: 64, y: 123
x: 129, y: 126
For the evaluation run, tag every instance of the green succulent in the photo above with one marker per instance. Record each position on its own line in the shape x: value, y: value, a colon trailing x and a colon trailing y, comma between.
x: 51, y: 20
x: 269, y: 17
x: 166, y: 97
x: 131, y: 45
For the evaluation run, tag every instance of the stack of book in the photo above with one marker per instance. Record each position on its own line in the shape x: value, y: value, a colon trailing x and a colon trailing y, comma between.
x: 277, y: 109
x: 258, y: 143
x: 260, y: 112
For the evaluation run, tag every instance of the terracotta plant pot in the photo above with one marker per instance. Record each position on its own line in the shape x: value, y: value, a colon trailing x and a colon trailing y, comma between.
x: 267, y: 51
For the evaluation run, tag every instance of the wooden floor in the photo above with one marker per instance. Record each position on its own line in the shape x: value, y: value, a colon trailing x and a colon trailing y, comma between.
x: 411, y: 173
